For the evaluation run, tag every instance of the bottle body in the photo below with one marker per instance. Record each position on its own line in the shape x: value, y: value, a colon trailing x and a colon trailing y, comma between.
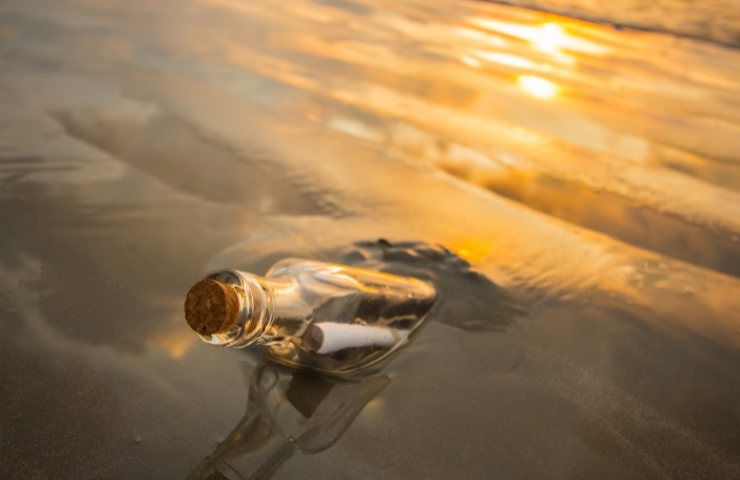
x: 321, y: 316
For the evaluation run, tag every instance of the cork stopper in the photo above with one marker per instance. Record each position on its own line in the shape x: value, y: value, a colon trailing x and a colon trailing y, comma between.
x: 211, y: 307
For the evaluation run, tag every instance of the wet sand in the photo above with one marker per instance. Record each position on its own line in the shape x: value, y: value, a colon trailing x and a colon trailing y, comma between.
x: 589, y: 173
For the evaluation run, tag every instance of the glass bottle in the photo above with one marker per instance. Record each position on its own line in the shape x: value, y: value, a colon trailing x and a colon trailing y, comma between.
x: 308, y: 314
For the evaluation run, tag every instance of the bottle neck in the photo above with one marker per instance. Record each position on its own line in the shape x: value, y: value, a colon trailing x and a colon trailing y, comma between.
x: 267, y: 309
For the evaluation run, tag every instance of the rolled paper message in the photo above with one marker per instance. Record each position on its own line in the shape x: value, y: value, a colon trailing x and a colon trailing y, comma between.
x: 329, y: 337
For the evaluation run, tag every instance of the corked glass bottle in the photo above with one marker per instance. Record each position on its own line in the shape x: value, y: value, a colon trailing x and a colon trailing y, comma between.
x: 307, y: 314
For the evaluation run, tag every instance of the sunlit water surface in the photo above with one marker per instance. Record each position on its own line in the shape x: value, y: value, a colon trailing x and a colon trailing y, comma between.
x: 589, y: 173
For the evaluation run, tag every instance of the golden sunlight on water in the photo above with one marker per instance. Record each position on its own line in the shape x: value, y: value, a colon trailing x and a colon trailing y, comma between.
x: 538, y: 86
x: 429, y: 84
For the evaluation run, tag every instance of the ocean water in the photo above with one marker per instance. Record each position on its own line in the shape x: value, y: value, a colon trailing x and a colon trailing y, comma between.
x: 587, y: 174
x: 710, y: 20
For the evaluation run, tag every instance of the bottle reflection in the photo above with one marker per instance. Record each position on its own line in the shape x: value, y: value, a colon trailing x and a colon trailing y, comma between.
x: 287, y: 411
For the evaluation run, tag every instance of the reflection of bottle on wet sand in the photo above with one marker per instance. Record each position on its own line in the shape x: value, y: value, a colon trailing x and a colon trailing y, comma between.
x: 321, y: 316
x: 288, y: 412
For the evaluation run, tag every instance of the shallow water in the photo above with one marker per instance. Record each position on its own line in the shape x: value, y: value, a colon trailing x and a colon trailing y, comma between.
x: 714, y: 20
x: 590, y: 173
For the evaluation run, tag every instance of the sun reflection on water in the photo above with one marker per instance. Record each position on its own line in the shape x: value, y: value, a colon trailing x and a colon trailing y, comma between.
x: 538, y: 87
x: 550, y: 37
x: 507, y: 59
x: 570, y: 100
